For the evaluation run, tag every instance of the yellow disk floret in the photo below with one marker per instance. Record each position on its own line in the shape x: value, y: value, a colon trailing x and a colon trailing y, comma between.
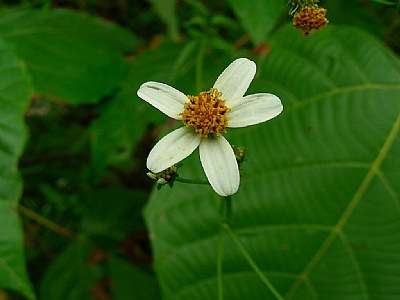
x: 206, y: 113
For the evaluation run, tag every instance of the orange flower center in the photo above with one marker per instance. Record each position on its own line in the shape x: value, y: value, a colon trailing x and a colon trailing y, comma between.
x: 206, y: 113
x: 310, y: 18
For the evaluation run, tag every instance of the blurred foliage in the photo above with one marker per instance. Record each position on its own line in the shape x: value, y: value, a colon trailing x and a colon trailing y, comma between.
x: 74, y: 138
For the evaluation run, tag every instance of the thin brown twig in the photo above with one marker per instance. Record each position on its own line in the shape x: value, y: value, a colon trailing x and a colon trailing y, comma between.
x: 34, y: 216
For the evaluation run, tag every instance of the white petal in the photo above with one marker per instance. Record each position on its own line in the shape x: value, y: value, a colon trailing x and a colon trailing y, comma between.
x: 219, y: 164
x: 172, y: 148
x: 235, y: 79
x: 254, y: 109
x: 168, y: 100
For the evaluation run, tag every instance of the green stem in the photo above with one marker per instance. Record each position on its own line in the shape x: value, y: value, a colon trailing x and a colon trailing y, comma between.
x: 46, y: 4
x: 252, y: 263
x: 225, y: 209
x: 199, y: 66
x: 383, y: 2
x: 228, y: 208
x: 220, y: 256
x: 192, y: 181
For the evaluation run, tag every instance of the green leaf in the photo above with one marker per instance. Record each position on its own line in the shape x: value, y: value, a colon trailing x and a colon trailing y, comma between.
x: 113, y: 219
x: 70, y: 55
x: 131, y: 282
x: 258, y: 17
x: 166, y: 11
x: 83, y: 271
x: 344, y: 12
x: 126, y: 117
x: 318, y: 208
x: 71, y: 275
x: 15, y: 90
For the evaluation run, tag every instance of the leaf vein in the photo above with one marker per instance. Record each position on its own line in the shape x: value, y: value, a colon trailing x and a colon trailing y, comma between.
x: 342, y: 90
x: 337, y: 229
x: 356, y: 264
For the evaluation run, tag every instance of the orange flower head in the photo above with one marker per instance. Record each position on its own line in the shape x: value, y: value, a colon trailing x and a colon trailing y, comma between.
x: 309, y: 18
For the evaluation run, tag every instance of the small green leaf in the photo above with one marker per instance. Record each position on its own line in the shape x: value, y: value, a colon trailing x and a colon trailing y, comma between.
x: 71, y: 274
x: 112, y: 213
x: 318, y: 208
x: 258, y: 17
x: 70, y: 55
x: 15, y: 90
x: 131, y: 282
x: 82, y: 271
x: 166, y: 9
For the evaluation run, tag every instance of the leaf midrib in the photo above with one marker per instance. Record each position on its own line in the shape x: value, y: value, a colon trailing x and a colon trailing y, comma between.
x: 337, y: 229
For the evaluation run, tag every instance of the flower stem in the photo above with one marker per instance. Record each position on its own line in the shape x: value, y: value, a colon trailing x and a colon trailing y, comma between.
x: 228, y: 208
x: 192, y: 181
x: 199, y: 65
x: 225, y: 209
x: 220, y: 256
x: 46, y: 5
x: 252, y: 263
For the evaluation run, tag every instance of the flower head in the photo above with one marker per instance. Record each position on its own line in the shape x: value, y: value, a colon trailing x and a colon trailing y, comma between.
x: 205, y: 117
x: 309, y: 18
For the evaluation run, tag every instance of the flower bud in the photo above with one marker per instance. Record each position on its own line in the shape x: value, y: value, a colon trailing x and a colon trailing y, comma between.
x: 164, y: 177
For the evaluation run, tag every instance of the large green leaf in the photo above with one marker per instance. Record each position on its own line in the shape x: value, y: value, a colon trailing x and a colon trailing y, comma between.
x: 258, y: 17
x: 318, y: 208
x: 342, y: 12
x: 15, y: 91
x: 69, y: 54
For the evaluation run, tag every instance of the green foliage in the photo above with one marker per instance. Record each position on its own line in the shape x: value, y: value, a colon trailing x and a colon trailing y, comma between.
x: 15, y: 88
x: 343, y: 12
x: 85, y: 272
x: 70, y: 55
x: 128, y: 281
x: 113, y: 220
x: 124, y: 119
x: 257, y: 16
x: 166, y: 9
x: 318, y: 205
x: 73, y: 273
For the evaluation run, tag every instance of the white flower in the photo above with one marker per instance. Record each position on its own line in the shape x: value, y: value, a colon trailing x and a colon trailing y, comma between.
x: 205, y: 116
